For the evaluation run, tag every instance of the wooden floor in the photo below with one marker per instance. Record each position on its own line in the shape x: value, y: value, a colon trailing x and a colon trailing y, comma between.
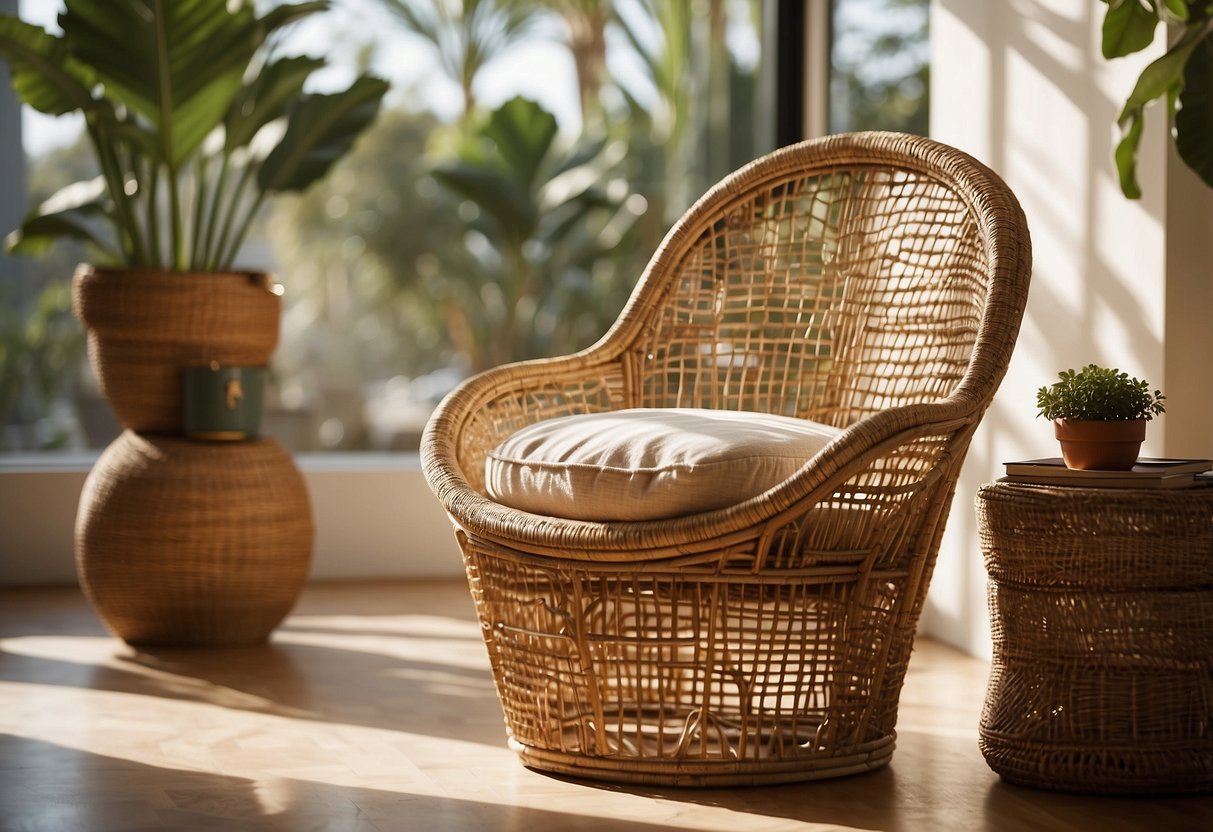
x: 372, y: 709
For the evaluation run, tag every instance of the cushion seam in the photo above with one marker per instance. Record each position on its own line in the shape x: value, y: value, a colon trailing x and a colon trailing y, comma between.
x: 679, y: 466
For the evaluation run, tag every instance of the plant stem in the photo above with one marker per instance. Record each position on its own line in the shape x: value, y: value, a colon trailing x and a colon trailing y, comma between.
x: 210, y: 253
x: 199, y: 204
x: 243, y: 228
x: 126, y: 225
x: 135, y: 163
x: 233, y: 207
x: 174, y: 210
x: 164, y: 120
x: 153, y: 225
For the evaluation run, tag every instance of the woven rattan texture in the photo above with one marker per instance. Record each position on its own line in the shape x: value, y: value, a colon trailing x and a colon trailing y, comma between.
x: 192, y: 543
x: 872, y: 281
x: 145, y: 325
x: 1102, y: 615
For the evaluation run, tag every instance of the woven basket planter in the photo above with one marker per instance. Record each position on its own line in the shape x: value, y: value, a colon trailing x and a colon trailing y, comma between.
x: 183, y: 543
x: 145, y: 326
x: 1101, y: 604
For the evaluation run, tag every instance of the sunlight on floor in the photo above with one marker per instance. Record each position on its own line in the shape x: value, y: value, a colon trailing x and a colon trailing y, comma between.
x: 388, y: 720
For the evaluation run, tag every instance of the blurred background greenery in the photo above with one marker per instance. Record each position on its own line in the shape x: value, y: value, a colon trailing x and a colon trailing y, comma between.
x: 530, y: 158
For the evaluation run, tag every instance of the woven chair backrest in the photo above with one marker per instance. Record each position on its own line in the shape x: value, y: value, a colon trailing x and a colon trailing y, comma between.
x: 822, y: 285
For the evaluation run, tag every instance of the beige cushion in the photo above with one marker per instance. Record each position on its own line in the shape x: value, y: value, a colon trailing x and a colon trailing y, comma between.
x: 646, y: 464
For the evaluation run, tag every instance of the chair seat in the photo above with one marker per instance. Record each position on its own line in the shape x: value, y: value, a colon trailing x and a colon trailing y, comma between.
x: 648, y: 463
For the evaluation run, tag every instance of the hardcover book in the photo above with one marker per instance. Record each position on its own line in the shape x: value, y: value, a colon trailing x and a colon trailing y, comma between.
x: 1149, y: 472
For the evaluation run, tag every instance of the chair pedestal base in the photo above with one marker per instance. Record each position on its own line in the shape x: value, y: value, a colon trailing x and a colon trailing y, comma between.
x: 708, y: 773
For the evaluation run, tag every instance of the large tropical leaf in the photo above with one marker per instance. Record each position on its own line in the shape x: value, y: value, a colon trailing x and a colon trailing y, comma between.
x: 1128, y: 27
x: 320, y: 129
x: 1194, y: 119
x: 286, y: 14
x: 523, y: 132
x: 266, y: 98
x: 584, y: 153
x: 1126, y: 154
x: 1163, y: 73
x: 178, y: 63
x: 1174, y: 11
x: 496, y: 194
x: 1163, y: 76
x: 79, y: 211
x: 44, y: 74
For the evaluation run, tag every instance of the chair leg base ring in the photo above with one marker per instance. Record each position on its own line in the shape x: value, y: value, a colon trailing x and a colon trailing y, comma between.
x: 708, y: 773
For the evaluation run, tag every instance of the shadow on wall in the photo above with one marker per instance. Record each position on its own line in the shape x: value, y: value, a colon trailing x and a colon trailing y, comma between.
x: 1022, y: 87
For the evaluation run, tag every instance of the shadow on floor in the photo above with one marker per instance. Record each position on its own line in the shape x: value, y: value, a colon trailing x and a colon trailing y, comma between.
x: 417, y: 666
x: 940, y: 783
x: 46, y: 786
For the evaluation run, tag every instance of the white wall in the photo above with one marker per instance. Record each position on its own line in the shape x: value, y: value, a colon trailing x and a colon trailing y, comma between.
x: 1022, y: 86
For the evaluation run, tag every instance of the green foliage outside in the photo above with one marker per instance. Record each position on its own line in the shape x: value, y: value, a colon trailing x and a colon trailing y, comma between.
x: 528, y: 240
x: 38, y: 357
x: 1098, y: 393
x: 467, y: 35
x: 880, y: 67
x: 550, y: 215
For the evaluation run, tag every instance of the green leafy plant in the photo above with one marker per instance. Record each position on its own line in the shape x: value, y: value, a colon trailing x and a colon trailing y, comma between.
x: 37, y: 354
x: 184, y: 106
x: 1098, y: 393
x: 466, y: 35
x: 1184, y: 76
x: 548, y: 213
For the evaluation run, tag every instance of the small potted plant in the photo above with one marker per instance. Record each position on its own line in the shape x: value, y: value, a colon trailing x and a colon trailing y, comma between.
x: 1099, y: 416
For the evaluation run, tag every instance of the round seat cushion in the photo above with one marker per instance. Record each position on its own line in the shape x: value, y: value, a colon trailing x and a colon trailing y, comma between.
x: 648, y: 463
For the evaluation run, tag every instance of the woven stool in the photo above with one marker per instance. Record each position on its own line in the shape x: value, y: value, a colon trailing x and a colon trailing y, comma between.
x: 183, y: 543
x: 1101, y: 604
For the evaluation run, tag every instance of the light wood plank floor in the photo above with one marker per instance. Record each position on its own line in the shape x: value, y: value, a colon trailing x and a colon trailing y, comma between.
x: 373, y: 709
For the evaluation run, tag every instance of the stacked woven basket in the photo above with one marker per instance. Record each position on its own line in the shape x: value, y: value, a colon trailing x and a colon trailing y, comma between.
x: 180, y: 542
x: 1102, y: 610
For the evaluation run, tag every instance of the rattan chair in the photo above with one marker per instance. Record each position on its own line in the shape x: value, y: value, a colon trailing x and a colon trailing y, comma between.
x: 874, y: 282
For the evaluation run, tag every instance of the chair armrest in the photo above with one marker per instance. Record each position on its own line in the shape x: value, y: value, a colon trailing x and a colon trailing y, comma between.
x: 488, y: 407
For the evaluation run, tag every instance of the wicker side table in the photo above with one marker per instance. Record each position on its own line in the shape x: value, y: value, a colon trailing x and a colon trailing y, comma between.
x: 1101, y: 604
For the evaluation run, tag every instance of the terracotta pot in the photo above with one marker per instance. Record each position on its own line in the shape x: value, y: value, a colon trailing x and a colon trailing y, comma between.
x: 1095, y: 445
x: 145, y: 326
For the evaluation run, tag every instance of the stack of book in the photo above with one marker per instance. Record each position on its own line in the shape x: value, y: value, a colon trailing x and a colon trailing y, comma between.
x: 1147, y: 473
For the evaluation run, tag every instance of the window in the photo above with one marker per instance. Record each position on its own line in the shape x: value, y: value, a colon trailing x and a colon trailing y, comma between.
x: 402, y: 273
x: 879, y: 65
x: 354, y: 312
